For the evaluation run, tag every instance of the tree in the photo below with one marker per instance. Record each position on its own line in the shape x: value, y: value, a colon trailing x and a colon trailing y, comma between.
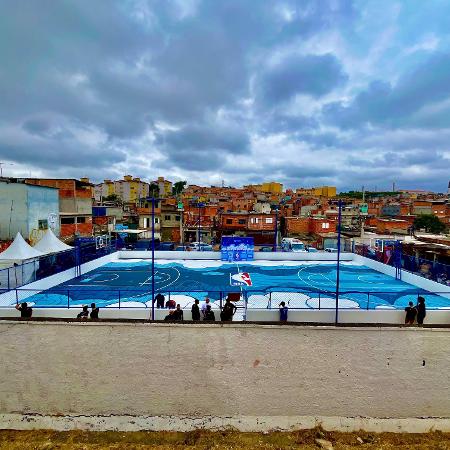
x: 112, y: 198
x: 153, y: 190
x: 429, y: 223
x: 178, y: 187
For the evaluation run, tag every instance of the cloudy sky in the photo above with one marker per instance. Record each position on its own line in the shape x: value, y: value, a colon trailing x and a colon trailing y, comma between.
x: 306, y: 92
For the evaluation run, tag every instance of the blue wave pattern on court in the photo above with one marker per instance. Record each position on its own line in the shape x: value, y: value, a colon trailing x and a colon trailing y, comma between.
x: 133, y: 280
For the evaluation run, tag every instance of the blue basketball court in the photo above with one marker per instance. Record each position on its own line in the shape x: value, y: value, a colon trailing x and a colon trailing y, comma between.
x: 309, y: 285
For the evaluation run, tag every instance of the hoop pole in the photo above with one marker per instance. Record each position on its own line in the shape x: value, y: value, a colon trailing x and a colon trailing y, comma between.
x: 338, y: 261
x: 153, y: 258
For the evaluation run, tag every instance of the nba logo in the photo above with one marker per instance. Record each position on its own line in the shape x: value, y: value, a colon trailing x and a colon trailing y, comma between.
x: 240, y: 279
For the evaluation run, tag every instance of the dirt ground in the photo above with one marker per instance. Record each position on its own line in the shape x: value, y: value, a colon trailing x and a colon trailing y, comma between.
x: 303, y: 440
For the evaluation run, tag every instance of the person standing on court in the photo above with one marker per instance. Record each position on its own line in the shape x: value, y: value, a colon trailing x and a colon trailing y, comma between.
x: 205, y: 306
x: 195, y: 311
x: 421, y: 310
x: 159, y: 300
x: 283, y: 312
x: 228, y: 311
x: 411, y: 313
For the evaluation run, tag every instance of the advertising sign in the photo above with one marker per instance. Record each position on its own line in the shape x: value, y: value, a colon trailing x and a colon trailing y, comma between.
x: 236, y: 248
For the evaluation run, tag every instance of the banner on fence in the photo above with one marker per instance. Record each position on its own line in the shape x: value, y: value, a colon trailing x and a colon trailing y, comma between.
x: 236, y: 248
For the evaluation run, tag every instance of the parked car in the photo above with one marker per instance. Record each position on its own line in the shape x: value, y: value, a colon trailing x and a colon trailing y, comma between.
x: 331, y: 250
x: 180, y: 248
x: 166, y: 246
x: 266, y: 248
x: 205, y: 248
x: 312, y: 250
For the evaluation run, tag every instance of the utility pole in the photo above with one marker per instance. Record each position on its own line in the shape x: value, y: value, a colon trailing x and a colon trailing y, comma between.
x: 362, y: 218
x: 338, y: 261
x: 1, y: 167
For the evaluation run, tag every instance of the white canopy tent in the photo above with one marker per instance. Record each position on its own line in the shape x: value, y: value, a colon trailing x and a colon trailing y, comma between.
x: 49, y: 243
x: 19, y: 251
x: 20, y: 262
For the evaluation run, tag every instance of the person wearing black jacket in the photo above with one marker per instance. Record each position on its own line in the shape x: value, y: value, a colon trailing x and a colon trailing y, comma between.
x: 94, y: 311
x: 177, y: 314
x: 421, y: 310
x: 209, y: 314
x: 411, y: 313
x: 84, y: 314
x: 228, y: 311
x: 195, y: 311
x: 25, y: 311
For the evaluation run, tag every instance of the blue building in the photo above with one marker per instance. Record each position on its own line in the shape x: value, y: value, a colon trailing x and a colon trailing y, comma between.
x: 27, y: 209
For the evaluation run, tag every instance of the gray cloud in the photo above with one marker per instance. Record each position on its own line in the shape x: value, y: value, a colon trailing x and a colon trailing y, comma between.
x: 314, y: 75
x: 201, y: 89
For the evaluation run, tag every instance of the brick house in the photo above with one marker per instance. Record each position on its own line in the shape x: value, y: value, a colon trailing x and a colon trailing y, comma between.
x: 75, y: 204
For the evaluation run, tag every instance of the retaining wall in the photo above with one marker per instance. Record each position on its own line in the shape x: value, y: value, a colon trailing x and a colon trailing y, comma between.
x: 161, y: 376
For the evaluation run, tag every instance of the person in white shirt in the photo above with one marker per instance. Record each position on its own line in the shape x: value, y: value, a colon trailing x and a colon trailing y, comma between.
x: 204, y: 306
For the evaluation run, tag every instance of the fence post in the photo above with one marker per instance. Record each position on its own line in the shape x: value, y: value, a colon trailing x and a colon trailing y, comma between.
x: 270, y: 300
x: 7, y: 271
x: 245, y: 304
x: 17, y: 297
x: 319, y: 301
x: 368, y: 299
x: 119, y: 298
x: 220, y: 302
x: 68, y: 299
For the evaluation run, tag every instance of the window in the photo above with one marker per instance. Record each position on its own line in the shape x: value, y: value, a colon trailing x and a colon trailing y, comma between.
x: 156, y: 220
x: 269, y: 220
x: 43, y: 224
x: 67, y: 220
x: 177, y: 218
x: 81, y: 219
x: 229, y: 221
x: 252, y: 220
x: 166, y: 217
x: 241, y: 221
x: 325, y: 225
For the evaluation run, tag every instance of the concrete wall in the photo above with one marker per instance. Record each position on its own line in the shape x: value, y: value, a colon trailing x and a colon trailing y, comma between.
x: 233, y: 371
x: 29, y: 205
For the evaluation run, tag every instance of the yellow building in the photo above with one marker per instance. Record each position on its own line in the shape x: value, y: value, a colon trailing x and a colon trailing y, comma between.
x: 273, y: 187
x: 322, y: 191
x: 129, y: 190
x: 165, y: 187
x: 327, y: 191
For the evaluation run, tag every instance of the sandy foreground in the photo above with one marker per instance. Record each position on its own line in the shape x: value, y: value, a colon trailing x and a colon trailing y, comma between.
x: 304, y: 440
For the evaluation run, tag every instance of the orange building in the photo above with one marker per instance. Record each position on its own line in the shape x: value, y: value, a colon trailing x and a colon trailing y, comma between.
x: 75, y: 204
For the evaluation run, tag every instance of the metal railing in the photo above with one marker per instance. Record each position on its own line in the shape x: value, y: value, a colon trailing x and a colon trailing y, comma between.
x: 122, y: 297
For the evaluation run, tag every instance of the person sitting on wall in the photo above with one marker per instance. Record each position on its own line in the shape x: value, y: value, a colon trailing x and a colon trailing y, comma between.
x: 283, y: 312
x: 169, y: 317
x: 171, y: 304
x: 421, y: 310
x: 25, y: 311
x: 209, y: 314
x: 94, y: 311
x: 228, y: 311
x: 195, y: 311
x: 160, y: 300
x: 178, y: 313
x: 84, y: 314
x: 411, y: 313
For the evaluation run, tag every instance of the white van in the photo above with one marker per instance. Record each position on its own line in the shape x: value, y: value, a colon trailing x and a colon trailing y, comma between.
x: 293, y: 245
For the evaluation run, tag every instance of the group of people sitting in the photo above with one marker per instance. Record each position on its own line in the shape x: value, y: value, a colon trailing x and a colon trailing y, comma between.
x: 416, y: 312
x: 205, y: 312
x: 84, y: 314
